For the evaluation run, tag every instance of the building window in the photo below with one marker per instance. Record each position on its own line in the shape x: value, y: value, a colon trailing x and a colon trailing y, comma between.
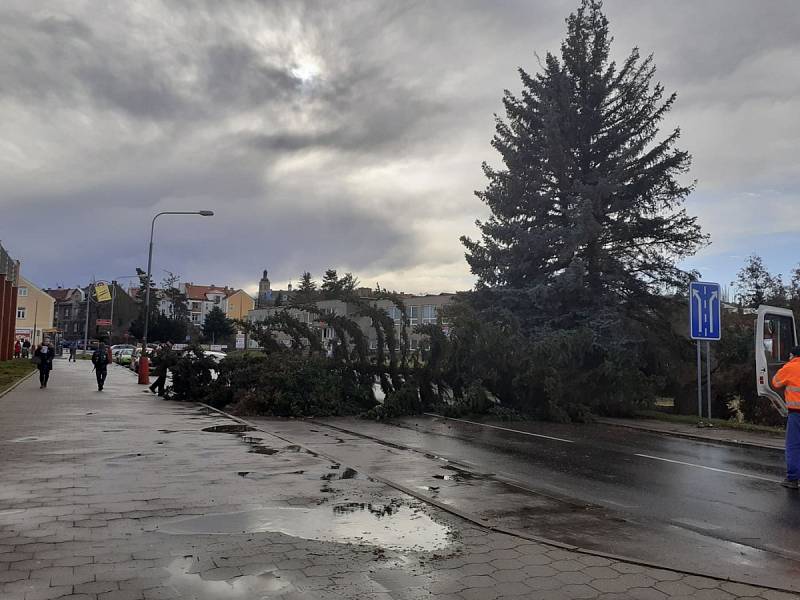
x: 413, y: 315
x: 373, y: 344
x: 21, y: 312
x: 23, y: 291
x: 75, y: 327
x: 428, y: 314
x: 396, y: 314
x: 67, y: 313
x: 195, y: 318
x: 414, y: 343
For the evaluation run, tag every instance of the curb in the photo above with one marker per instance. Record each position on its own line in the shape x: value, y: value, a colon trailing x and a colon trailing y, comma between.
x: 18, y: 383
x: 482, y: 523
x: 691, y: 436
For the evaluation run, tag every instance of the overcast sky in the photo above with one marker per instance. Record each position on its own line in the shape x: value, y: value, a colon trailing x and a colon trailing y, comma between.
x: 349, y: 134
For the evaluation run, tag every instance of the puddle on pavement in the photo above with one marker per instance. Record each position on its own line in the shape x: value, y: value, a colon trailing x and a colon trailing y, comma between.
x: 394, y: 525
x: 126, y: 456
x: 334, y: 475
x: 228, y: 429
x: 458, y: 475
x: 256, y: 449
x: 192, y: 585
x: 266, y: 474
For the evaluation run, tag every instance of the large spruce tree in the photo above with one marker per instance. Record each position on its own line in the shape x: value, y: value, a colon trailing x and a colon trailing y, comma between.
x: 586, y: 232
x: 588, y: 204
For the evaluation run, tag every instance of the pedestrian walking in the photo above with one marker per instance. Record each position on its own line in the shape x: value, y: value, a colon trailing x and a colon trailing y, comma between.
x: 26, y: 348
x: 17, y: 349
x: 163, y: 360
x: 100, y: 362
x: 43, y: 357
x: 788, y: 377
x: 73, y: 350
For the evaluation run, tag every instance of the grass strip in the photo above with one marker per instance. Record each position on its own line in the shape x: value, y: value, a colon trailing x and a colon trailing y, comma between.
x: 11, y: 371
x: 692, y: 420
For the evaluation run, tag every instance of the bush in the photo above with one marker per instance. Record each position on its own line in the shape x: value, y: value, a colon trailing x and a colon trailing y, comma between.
x: 290, y: 385
x: 191, y: 375
x: 402, y: 401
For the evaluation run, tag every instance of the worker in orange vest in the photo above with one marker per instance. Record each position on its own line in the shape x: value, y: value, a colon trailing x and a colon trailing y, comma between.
x: 788, y: 376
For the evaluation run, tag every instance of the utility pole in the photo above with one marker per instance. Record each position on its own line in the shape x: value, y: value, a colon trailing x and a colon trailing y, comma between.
x: 144, y: 363
x: 113, y: 298
x: 35, y: 315
x: 86, y: 326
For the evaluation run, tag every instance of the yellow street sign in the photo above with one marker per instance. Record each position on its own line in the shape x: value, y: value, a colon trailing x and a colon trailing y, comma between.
x: 102, y: 292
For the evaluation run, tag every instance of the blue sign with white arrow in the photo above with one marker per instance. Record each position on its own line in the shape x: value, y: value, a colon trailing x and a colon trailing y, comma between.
x: 705, y: 310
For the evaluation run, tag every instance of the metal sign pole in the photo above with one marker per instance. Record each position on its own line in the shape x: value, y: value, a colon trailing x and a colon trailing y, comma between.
x: 708, y: 376
x: 699, y: 384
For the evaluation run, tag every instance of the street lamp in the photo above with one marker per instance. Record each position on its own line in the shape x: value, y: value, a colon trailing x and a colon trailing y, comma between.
x: 144, y: 363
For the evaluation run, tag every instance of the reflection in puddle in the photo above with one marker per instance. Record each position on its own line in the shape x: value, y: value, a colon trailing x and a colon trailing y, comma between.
x: 393, y: 525
x: 192, y: 585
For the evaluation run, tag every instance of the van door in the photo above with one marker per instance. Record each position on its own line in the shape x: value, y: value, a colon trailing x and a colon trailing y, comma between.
x: 776, y: 333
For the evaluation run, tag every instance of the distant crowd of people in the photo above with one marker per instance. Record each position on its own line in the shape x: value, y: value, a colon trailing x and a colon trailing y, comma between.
x: 22, y: 348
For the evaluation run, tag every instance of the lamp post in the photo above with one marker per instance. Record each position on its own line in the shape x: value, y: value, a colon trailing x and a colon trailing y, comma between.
x: 144, y: 363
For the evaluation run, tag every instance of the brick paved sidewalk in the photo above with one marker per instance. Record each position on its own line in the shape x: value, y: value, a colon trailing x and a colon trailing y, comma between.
x: 121, y: 496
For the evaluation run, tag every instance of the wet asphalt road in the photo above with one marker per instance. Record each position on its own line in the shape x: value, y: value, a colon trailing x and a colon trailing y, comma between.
x: 714, y: 508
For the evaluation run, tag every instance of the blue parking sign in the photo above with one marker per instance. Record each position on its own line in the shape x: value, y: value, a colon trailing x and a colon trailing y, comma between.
x: 705, y: 310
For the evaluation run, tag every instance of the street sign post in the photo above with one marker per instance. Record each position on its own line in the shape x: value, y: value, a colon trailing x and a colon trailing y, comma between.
x: 705, y: 324
x: 705, y: 311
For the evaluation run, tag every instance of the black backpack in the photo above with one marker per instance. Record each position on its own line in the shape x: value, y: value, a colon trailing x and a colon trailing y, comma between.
x: 100, y: 358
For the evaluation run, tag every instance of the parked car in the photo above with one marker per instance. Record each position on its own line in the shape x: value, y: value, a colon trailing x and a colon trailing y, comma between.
x: 117, y: 347
x: 124, y: 356
x: 136, y: 355
x: 216, y: 356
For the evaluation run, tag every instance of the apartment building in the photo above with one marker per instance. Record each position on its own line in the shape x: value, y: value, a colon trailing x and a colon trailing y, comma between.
x: 421, y: 310
x: 70, y: 313
x: 201, y: 299
x: 35, y: 312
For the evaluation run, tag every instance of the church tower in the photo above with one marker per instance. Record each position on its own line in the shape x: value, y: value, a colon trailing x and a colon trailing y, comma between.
x: 264, y: 292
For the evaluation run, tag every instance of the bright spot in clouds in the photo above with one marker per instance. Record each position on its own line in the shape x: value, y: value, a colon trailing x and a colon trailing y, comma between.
x: 306, y: 71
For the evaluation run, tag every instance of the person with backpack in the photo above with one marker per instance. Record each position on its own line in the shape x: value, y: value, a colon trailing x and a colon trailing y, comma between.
x: 43, y: 359
x: 100, y: 362
x: 73, y: 349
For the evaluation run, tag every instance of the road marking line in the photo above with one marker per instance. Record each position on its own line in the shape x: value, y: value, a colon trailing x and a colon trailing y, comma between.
x: 679, y: 462
x: 539, y: 435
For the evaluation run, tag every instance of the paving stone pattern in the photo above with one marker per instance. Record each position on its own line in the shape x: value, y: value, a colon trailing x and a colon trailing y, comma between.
x: 91, y: 484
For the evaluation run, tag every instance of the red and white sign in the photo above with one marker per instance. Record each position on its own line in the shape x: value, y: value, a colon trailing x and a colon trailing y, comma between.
x: 104, y: 322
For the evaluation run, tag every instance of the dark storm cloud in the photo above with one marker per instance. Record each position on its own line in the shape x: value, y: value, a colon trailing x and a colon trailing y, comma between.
x: 59, y: 61
x: 340, y: 134
x: 235, y: 74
